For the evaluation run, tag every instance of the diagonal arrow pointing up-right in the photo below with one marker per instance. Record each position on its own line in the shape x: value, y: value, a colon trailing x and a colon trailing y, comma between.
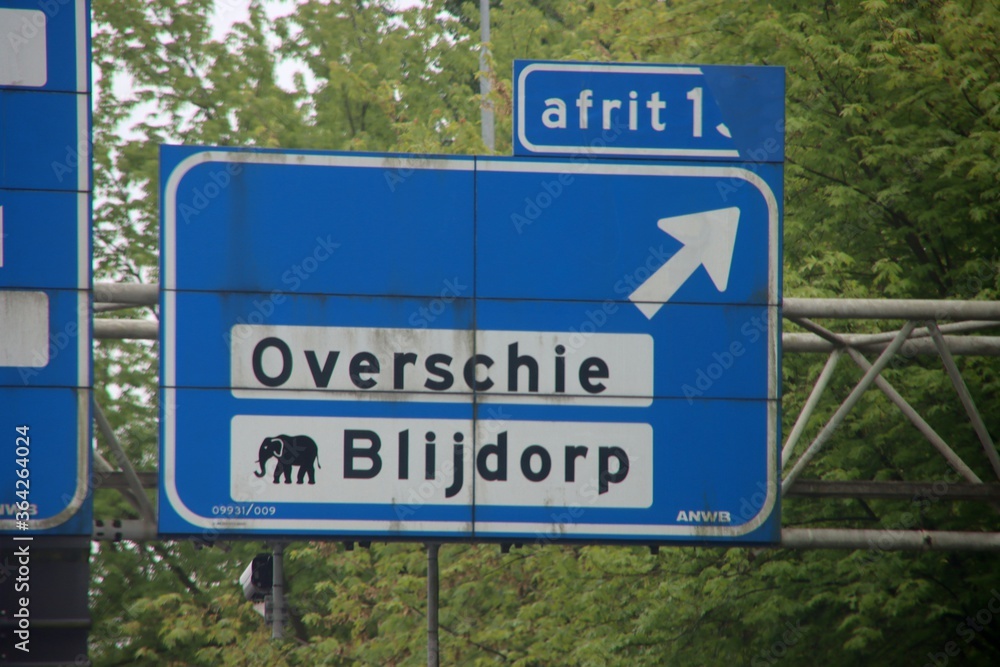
x: 709, y: 239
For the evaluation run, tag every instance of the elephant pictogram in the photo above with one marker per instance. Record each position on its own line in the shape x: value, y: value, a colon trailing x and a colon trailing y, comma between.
x: 289, y: 450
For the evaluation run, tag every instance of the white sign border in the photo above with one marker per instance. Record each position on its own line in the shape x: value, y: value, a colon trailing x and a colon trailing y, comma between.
x: 489, y: 530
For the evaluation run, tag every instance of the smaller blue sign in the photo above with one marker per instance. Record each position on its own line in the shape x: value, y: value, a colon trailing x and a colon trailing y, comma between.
x: 649, y: 111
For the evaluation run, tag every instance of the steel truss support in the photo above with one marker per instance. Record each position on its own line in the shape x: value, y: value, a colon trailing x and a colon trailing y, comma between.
x: 845, y: 407
x: 922, y: 333
x: 807, y: 409
x: 953, y: 459
x: 963, y: 392
x: 906, y: 339
x: 137, y: 495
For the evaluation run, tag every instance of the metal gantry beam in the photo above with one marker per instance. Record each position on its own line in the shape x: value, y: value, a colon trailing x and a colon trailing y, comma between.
x: 894, y: 490
x: 135, y: 294
x: 880, y: 309
x: 986, y: 346
x: 981, y: 315
x: 883, y: 539
x: 921, y: 334
x: 888, y: 540
x: 891, y: 309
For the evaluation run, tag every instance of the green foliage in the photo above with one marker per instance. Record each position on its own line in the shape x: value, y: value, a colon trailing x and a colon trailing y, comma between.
x: 892, y: 189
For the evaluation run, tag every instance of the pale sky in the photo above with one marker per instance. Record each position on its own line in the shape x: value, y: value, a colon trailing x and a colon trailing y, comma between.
x: 227, y: 13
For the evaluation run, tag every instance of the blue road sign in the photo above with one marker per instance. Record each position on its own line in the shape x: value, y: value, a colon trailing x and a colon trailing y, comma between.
x: 405, y: 347
x: 700, y: 112
x: 45, y: 275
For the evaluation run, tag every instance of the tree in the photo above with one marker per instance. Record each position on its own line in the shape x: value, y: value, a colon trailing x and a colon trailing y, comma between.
x: 886, y: 195
x: 891, y: 189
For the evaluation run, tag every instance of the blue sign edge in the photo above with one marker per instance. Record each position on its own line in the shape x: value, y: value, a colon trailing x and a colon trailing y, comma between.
x: 76, y: 518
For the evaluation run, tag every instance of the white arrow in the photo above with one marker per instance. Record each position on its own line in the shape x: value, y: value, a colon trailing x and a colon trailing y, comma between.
x: 708, y: 238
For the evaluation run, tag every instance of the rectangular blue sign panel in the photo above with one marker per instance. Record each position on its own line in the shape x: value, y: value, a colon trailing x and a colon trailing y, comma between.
x: 45, y: 274
x: 698, y: 112
x: 46, y: 155
x: 29, y: 219
x: 553, y: 218
x: 407, y: 347
x: 388, y: 254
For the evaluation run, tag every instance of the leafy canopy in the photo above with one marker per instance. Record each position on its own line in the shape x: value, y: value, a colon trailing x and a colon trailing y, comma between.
x: 892, y: 189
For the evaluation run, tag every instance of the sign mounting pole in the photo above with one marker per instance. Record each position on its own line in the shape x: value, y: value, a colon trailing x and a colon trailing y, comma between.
x: 433, y: 583
x: 484, y: 82
x: 278, y: 591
